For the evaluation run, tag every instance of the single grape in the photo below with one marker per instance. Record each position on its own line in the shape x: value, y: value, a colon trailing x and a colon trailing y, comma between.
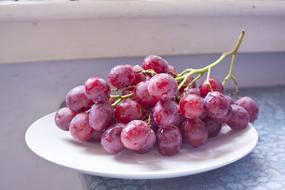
x: 101, y: 116
x: 142, y: 95
x: 156, y: 63
x: 169, y: 140
x: 251, y: 107
x: 139, y: 77
x: 79, y: 127
x: 97, y: 90
x: 216, y: 85
x: 165, y: 113
x: 172, y: 70
x: 216, y: 104
x: 239, y: 118
x: 230, y: 100
x: 150, y: 142
x: 63, y: 118
x: 194, y: 132
x: 111, y: 139
x: 121, y: 76
x: 213, y: 126
x: 135, y: 135
x: 195, y: 91
x: 127, y: 111
x: 228, y: 116
x: 76, y: 100
x: 191, y: 106
x: 162, y: 86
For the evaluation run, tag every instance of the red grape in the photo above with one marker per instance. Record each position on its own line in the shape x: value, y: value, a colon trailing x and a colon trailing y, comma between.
x: 172, y: 70
x: 213, y: 126
x: 165, y: 113
x: 150, y: 142
x: 228, y: 116
x: 251, y: 107
x: 63, y: 118
x: 169, y: 140
x: 127, y: 111
x: 139, y: 77
x: 216, y: 104
x: 230, y: 100
x: 194, y: 132
x: 194, y: 91
x: 76, y: 100
x: 121, y: 76
x: 216, y: 85
x: 191, y: 106
x: 162, y: 86
x: 135, y: 134
x: 111, y: 139
x: 80, y: 128
x: 239, y: 118
x: 97, y: 90
x: 101, y: 116
x: 156, y: 63
x: 142, y: 95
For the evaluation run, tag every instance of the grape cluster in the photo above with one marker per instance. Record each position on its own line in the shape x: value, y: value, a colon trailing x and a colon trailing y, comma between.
x: 153, y: 107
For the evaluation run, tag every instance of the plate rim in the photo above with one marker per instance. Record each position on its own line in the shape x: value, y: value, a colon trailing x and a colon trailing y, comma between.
x: 145, y: 175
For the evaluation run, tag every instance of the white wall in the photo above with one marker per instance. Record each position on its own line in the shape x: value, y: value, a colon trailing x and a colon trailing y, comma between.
x: 31, y: 90
x: 95, y: 29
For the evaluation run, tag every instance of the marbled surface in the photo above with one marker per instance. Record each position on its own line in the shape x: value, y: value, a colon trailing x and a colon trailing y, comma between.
x: 262, y: 169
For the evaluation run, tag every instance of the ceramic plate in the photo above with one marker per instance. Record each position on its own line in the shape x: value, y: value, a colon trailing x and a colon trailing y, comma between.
x: 57, y: 146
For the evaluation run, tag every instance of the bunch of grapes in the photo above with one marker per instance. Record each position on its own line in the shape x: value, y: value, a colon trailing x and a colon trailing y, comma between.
x: 152, y: 106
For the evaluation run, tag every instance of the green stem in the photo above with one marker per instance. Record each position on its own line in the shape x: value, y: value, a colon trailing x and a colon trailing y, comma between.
x: 184, y: 72
x: 185, y: 78
x: 188, y: 72
x: 237, y: 92
x: 208, y: 78
x: 230, y: 73
x: 149, y: 71
x: 116, y: 102
x: 193, y: 81
x: 120, y: 98
x: 149, y: 120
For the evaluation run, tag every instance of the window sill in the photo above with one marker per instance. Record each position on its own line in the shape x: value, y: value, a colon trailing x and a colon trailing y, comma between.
x: 66, y: 30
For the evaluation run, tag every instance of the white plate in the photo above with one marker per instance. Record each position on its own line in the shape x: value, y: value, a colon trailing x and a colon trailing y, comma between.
x: 57, y: 146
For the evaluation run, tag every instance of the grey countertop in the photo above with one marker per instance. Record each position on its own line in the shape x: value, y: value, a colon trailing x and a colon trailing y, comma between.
x: 264, y: 168
x: 32, y: 90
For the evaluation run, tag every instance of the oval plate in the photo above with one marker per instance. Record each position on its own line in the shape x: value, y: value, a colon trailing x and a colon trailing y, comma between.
x: 54, y: 145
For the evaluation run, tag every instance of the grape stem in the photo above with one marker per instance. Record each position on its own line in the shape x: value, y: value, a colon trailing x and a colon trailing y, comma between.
x: 122, y: 89
x: 148, y: 71
x: 149, y: 120
x: 120, y: 98
x: 183, y: 76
